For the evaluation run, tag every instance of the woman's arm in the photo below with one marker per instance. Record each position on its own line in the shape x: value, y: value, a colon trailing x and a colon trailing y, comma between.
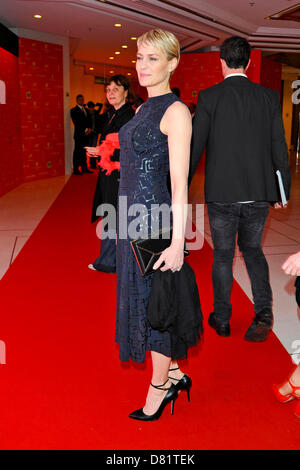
x: 177, y: 124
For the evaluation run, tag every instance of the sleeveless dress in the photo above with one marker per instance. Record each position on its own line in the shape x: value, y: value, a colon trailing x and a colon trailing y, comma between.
x: 144, y: 161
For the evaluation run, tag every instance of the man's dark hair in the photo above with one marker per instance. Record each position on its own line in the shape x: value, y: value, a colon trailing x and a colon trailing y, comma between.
x: 79, y: 96
x: 90, y: 104
x: 236, y: 52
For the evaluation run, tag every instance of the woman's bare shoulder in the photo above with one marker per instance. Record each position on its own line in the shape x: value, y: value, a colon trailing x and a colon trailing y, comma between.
x: 178, y: 109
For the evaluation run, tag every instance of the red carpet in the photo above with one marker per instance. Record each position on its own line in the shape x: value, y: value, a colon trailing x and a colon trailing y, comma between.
x: 63, y: 386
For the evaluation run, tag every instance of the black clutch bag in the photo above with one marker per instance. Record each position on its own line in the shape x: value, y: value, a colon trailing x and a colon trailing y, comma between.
x: 148, y: 250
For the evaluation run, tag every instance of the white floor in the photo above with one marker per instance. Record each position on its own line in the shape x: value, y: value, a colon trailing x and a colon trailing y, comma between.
x: 20, y: 212
x: 23, y: 208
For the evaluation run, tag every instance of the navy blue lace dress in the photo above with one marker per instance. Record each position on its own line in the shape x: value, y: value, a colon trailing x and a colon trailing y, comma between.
x: 144, y: 161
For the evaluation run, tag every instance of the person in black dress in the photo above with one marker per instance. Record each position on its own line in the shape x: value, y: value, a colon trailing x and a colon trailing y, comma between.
x: 120, y: 97
x: 154, y: 142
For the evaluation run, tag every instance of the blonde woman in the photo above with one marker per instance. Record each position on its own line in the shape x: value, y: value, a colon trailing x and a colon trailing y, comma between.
x: 154, y: 142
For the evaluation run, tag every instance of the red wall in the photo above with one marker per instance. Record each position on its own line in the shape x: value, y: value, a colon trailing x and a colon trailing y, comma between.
x: 32, y: 120
x: 198, y: 71
x: 271, y: 74
x: 10, y: 133
x: 42, y: 119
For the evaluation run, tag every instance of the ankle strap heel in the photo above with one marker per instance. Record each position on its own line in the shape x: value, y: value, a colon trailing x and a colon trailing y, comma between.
x: 170, y: 397
x: 160, y: 387
x: 294, y: 388
x: 184, y: 383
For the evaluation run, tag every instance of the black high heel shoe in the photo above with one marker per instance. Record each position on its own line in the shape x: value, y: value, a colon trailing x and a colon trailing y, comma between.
x: 184, y: 383
x: 171, y: 396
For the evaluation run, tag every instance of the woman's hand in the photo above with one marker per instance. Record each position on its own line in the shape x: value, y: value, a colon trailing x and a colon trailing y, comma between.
x: 91, y: 151
x: 173, y: 257
x: 292, y: 265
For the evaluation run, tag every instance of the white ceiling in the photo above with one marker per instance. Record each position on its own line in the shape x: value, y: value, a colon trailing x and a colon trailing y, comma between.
x: 197, y: 23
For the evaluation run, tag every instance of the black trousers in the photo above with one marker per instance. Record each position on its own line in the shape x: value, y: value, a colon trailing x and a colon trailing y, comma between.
x: 79, y: 154
x: 246, y: 221
x: 92, y: 142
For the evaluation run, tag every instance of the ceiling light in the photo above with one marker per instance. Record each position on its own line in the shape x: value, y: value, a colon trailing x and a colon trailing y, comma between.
x: 133, y: 61
x: 133, y: 38
x: 124, y: 47
x: 118, y: 25
x: 38, y: 17
x: 111, y: 58
x: 91, y: 68
x: 129, y: 73
x: 111, y: 71
x: 117, y: 52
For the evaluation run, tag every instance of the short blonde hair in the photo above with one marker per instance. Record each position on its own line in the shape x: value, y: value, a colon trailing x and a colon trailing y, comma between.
x: 163, y: 40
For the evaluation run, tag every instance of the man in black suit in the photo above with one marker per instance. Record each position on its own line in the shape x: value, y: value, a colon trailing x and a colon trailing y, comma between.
x: 240, y: 125
x: 81, y: 121
x: 96, y: 122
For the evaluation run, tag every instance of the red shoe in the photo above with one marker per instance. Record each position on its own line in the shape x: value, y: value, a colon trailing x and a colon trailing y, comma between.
x: 285, y: 398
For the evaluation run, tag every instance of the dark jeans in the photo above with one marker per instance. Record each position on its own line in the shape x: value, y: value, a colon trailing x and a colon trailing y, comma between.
x: 247, y: 221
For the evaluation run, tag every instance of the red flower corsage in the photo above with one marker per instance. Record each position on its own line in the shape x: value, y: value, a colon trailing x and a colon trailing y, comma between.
x: 106, y: 150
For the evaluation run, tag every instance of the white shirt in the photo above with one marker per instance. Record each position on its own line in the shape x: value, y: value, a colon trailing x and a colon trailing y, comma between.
x: 236, y: 75
x: 82, y: 109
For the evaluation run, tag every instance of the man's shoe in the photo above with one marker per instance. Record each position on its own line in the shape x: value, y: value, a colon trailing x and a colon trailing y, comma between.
x: 223, y: 329
x: 87, y: 171
x: 260, y: 327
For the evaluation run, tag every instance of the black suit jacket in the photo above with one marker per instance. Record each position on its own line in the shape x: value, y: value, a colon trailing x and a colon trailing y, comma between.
x: 240, y: 125
x: 81, y: 122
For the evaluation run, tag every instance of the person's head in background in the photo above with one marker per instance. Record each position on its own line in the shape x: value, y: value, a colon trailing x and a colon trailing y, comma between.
x: 176, y: 91
x: 235, y: 55
x: 80, y: 100
x: 91, y: 106
x: 119, y: 91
